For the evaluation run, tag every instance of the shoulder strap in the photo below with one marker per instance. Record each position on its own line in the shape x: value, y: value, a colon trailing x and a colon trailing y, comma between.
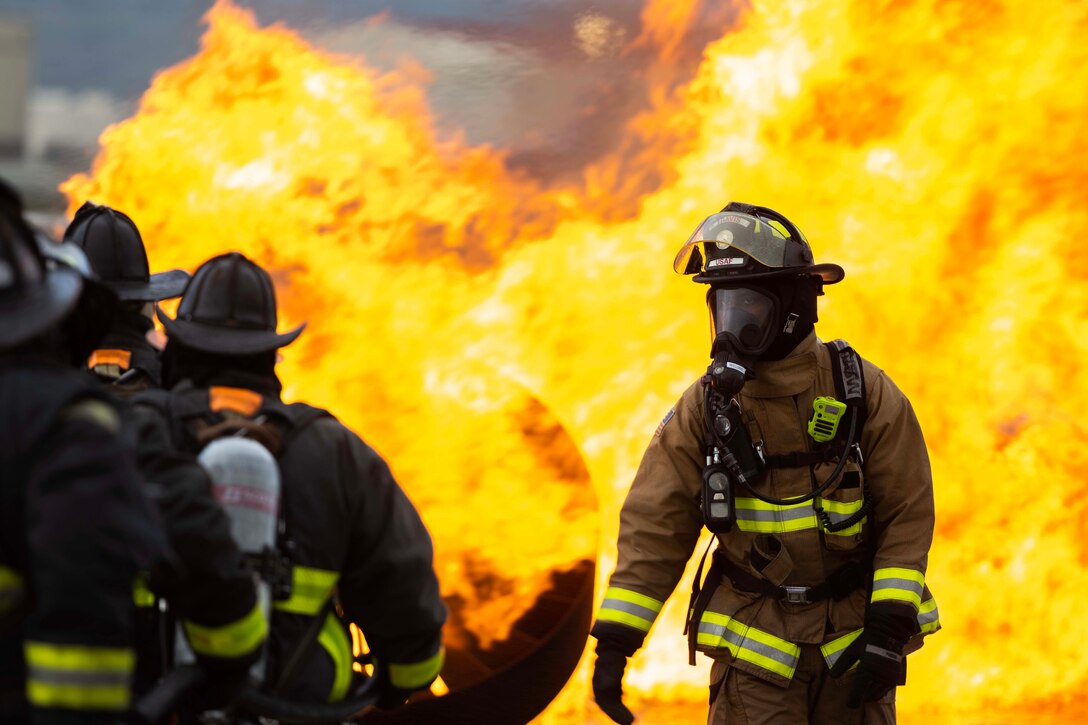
x: 294, y: 417
x: 849, y: 379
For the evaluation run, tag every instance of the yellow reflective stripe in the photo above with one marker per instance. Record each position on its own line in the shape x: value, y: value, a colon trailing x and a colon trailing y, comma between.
x: 898, y: 584
x: 833, y: 649
x: 310, y: 588
x: 335, y: 641
x: 759, y: 517
x: 629, y: 608
x: 841, y: 507
x: 929, y: 620
x: 630, y: 620
x: 749, y: 644
x: 235, y: 639
x: 419, y: 674
x: 842, y: 510
x: 626, y: 595
x: 78, y: 676
x: 12, y: 587
x: 78, y: 657
x: 141, y: 595
x: 73, y: 697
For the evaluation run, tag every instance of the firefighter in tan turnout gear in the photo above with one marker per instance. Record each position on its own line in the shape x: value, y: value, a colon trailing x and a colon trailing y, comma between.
x: 809, y: 465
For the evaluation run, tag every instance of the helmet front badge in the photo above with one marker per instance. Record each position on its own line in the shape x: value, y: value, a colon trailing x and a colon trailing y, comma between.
x: 725, y: 238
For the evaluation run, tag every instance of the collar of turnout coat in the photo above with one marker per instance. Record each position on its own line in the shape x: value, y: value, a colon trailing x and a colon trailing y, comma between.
x: 789, y: 376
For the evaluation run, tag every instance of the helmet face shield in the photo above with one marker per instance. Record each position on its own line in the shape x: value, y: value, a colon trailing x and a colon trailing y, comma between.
x: 746, y: 315
x: 722, y: 240
x: 749, y: 242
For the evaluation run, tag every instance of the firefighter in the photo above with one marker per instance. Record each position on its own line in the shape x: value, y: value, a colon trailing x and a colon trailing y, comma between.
x: 354, y: 542
x: 809, y: 465
x: 75, y: 527
x: 126, y: 357
x: 204, y: 580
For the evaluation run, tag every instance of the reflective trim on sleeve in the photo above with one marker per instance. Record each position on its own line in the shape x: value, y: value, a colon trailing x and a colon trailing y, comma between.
x: 833, y: 649
x: 749, y: 644
x: 78, y: 677
x: 632, y: 609
x: 335, y: 642
x: 141, y: 595
x: 929, y: 621
x: 417, y: 675
x: 12, y: 588
x: 235, y: 639
x: 310, y: 588
x: 897, y: 584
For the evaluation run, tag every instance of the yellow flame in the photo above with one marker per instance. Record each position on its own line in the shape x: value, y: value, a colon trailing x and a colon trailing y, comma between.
x: 934, y: 149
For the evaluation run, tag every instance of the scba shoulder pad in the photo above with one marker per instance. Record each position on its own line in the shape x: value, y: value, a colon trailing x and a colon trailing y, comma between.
x: 849, y: 379
x: 849, y: 376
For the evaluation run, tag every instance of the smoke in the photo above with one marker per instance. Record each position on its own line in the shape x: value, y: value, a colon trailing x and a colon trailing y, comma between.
x: 555, y: 87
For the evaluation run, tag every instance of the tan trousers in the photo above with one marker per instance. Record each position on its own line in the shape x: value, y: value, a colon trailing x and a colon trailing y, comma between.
x: 737, y: 698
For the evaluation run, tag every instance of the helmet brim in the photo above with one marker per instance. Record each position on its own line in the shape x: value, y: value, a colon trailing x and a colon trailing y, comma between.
x: 827, y: 272
x: 226, y: 340
x: 160, y: 286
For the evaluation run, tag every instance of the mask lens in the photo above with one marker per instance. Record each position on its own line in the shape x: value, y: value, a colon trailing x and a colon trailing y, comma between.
x: 743, y: 313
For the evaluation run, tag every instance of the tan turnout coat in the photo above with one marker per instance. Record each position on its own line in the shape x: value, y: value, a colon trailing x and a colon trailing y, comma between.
x: 661, y: 521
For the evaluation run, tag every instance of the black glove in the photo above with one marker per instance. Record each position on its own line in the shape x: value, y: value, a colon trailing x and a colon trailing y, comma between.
x: 608, y: 682
x: 878, y: 650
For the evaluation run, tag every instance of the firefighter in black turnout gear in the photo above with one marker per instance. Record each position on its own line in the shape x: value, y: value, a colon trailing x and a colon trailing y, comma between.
x: 125, y: 358
x: 75, y: 527
x: 204, y: 580
x: 351, y: 547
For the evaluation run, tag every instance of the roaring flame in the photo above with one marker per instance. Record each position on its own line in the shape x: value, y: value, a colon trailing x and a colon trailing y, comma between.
x: 934, y: 149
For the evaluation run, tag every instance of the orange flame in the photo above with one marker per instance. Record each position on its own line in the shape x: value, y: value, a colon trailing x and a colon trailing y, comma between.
x: 935, y: 150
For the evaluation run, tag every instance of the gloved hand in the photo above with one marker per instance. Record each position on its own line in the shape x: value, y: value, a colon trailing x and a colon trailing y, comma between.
x: 878, y: 650
x: 608, y: 682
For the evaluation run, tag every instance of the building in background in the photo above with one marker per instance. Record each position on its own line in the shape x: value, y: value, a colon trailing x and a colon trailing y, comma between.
x: 15, y: 56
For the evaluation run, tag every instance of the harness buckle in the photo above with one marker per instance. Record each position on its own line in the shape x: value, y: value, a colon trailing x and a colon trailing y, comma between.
x: 856, y: 451
x: 796, y: 595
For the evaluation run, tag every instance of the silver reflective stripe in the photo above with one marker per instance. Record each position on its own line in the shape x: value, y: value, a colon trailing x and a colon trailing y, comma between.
x: 742, y: 642
x: 78, y: 678
x: 630, y: 608
x: 837, y: 518
x: 927, y: 618
x: 907, y: 585
x: 762, y: 515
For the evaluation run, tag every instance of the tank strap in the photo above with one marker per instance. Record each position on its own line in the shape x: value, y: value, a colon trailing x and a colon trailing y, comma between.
x: 701, y: 592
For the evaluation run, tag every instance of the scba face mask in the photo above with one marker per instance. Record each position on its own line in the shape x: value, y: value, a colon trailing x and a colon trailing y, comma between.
x: 745, y: 316
x: 742, y: 326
